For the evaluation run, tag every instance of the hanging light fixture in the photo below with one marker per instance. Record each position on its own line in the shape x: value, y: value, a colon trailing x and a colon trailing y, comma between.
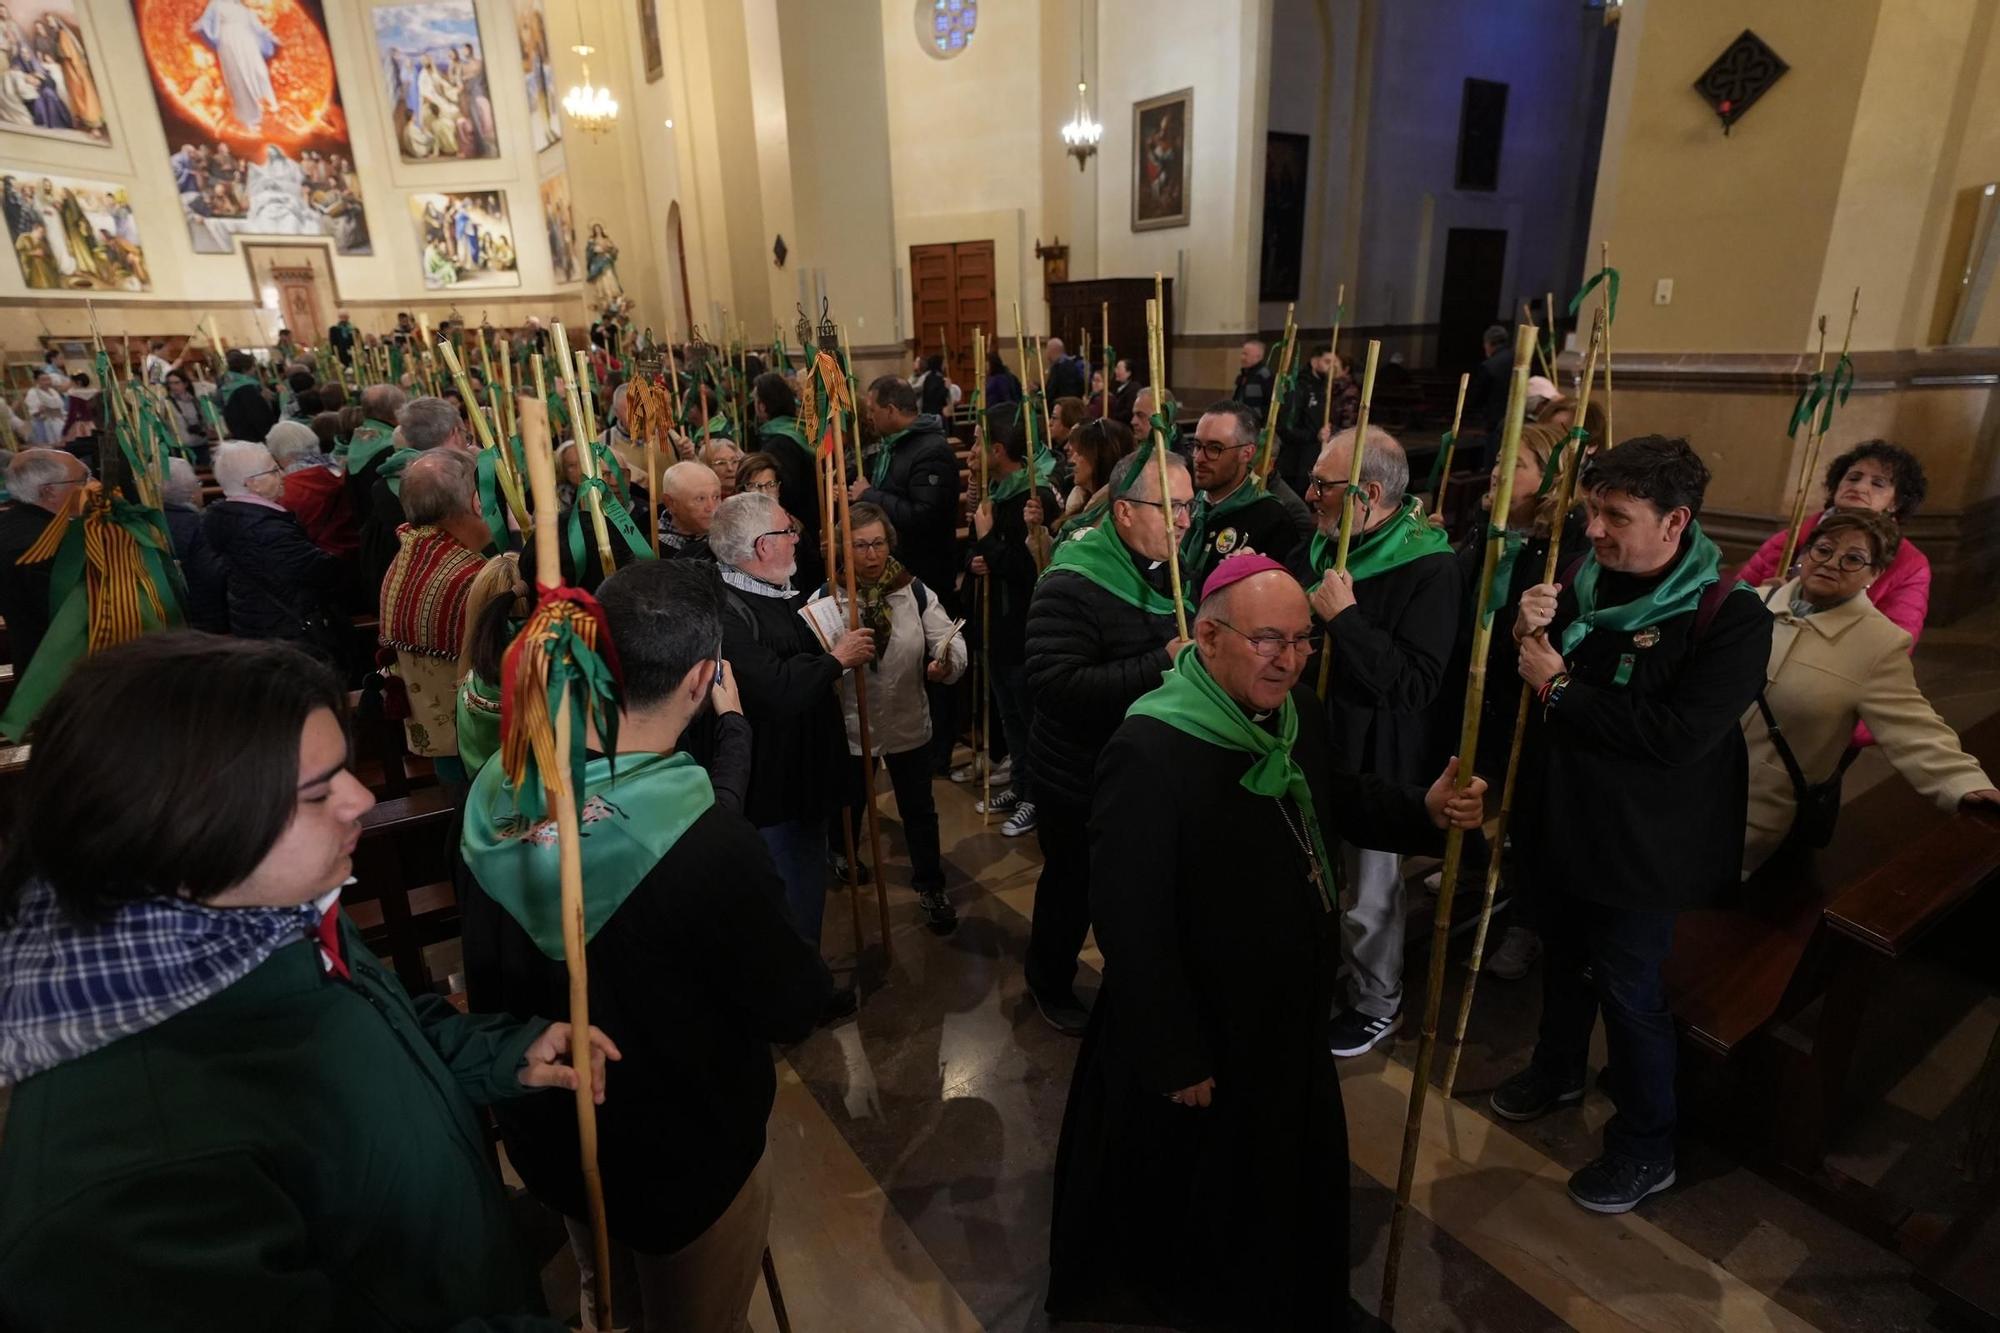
x: 1080, y: 136
x: 593, y: 108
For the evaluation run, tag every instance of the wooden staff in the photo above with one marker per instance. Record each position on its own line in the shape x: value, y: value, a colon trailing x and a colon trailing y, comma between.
x: 1454, y: 845
x: 1347, y: 500
x: 1565, y: 496
x: 1610, y: 432
x: 1156, y: 362
x: 1104, y: 313
x: 586, y: 451
x: 860, y: 694
x: 1038, y: 545
x: 1451, y: 448
x: 1541, y: 357
x: 1333, y: 350
x: 503, y: 469
x: 1267, y: 453
x: 652, y: 402
x: 569, y: 835
x: 982, y: 739
x: 1809, y: 463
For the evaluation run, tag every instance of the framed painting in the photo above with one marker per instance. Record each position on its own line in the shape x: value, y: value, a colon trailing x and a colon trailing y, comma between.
x: 48, y: 81
x: 434, y: 68
x: 465, y: 239
x: 73, y: 235
x: 1162, y: 134
x: 538, y: 75
x: 560, y: 218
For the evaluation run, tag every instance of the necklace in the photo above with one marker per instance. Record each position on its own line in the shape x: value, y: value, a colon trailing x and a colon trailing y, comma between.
x: 1314, y: 871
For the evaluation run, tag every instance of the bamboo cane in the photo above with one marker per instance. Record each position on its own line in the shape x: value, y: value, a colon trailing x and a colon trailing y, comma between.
x: 1038, y: 543
x: 1347, y: 500
x: 1814, y: 439
x: 1105, y: 314
x: 1553, y: 354
x: 1451, y: 448
x: 1267, y: 452
x: 502, y: 467
x: 1156, y: 363
x: 1541, y: 358
x: 1610, y: 431
x: 569, y: 835
x: 1333, y: 349
x: 1565, y: 496
x: 982, y: 761
x: 1468, y: 747
x: 586, y: 452
x: 653, y: 401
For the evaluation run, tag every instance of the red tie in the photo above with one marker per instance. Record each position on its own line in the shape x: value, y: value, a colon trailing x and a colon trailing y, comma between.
x: 329, y: 943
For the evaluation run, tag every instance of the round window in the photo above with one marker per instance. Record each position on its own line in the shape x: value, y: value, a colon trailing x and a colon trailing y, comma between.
x: 944, y: 27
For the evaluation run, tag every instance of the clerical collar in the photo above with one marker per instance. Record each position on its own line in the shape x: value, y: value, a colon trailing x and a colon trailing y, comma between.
x: 753, y: 585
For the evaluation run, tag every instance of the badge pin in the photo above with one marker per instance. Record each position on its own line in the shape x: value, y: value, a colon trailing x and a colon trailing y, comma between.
x: 1225, y: 541
x: 1646, y: 637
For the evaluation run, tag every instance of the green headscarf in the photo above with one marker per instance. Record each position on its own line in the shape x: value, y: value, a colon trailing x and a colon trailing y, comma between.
x: 1679, y: 593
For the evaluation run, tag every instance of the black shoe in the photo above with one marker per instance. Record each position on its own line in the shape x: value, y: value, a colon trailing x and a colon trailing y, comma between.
x: 939, y: 914
x: 1065, y: 1013
x: 1355, y: 1033
x: 841, y: 1004
x: 1533, y: 1093
x: 836, y: 862
x: 1617, y: 1184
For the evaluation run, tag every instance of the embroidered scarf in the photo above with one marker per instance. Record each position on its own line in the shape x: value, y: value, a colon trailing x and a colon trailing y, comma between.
x: 425, y: 591
x: 1697, y: 569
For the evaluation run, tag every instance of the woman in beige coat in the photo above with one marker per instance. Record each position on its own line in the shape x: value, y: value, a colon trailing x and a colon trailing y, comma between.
x: 1836, y: 660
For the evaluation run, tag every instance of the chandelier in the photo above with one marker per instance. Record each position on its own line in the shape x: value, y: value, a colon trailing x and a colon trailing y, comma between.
x: 1080, y: 136
x: 589, y: 106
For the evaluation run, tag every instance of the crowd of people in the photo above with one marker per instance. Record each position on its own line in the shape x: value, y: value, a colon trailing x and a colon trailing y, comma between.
x: 1223, y: 787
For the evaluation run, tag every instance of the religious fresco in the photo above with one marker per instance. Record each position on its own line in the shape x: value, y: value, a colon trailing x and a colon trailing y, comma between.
x: 1161, y: 130
x: 255, y: 128
x: 435, y: 70
x: 538, y: 73
x: 465, y: 239
x: 560, y: 219
x: 48, y: 83
x: 73, y: 235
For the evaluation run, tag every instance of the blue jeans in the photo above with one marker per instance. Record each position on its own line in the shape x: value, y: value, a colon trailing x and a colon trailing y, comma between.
x: 1017, y: 710
x: 798, y: 849
x: 1598, y: 957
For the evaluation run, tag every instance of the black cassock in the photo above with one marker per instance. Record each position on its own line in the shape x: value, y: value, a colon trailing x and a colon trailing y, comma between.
x: 1219, y: 957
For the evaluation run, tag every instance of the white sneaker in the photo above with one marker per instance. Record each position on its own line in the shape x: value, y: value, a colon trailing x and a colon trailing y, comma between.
x: 1519, y: 948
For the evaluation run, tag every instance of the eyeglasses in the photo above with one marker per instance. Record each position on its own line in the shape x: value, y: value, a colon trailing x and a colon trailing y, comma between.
x: 1847, y: 562
x: 763, y: 487
x: 793, y: 531
x: 870, y: 548
x: 267, y: 472
x: 1270, y: 645
x: 1182, y: 508
x: 1214, y: 451
x: 1320, y: 486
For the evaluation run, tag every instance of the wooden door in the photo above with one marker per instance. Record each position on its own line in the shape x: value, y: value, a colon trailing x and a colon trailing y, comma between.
x: 951, y: 295
x: 299, y: 301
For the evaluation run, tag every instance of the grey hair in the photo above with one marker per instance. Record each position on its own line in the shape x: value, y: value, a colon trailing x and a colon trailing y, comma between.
x: 1137, y: 477
x: 739, y: 521
x: 1383, y: 462
x: 437, y: 486
x: 714, y: 446
x: 383, y: 402
x: 427, y: 423
x: 181, y: 486
x: 31, y: 471
x: 289, y: 440
x: 236, y: 461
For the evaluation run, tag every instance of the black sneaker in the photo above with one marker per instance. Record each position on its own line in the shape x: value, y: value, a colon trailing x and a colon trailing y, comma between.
x: 1616, y: 1184
x: 1355, y: 1033
x: 1065, y: 1013
x: 1533, y: 1093
x: 837, y: 863
x: 939, y: 914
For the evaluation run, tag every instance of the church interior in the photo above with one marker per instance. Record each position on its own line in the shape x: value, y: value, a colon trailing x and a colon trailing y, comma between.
x: 1769, y: 228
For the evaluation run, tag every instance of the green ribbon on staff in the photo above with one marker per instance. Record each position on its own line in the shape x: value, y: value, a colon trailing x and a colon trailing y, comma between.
x: 1574, y: 440
x: 1437, y: 464
x: 614, y: 513
x: 1607, y: 276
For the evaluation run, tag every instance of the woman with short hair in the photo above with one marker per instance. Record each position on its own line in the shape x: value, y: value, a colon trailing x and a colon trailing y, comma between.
x: 220, y: 1095
x: 757, y: 474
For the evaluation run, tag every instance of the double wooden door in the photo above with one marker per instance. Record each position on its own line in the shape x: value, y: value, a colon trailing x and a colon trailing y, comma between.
x: 951, y: 295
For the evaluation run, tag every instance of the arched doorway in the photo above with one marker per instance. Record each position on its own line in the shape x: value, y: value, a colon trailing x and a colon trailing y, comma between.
x: 677, y: 248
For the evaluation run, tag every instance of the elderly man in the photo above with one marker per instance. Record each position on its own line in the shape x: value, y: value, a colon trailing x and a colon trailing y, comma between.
x: 785, y: 676
x: 314, y: 488
x: 913, y: 474
x: 689, y: 493
x: 1202, y: 1174
x: 1063, y: 375
x: 342, y: 338
x: 423, y: 424
x: 1253, y: 379
x: 1239, y: 514
x: 1643, y: 660
x: 278, y: 584
x: 40, y: 482
x: 1391, y: 621
x: 423, y: 602
x: 1101, y: 631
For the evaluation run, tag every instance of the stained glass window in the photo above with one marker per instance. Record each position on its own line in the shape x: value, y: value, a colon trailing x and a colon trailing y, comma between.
x: 945, y: 27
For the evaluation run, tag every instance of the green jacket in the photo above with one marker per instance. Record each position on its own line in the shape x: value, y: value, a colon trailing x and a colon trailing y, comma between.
x: 293, y: 1153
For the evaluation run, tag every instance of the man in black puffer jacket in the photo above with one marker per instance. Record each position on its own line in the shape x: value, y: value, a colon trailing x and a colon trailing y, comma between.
x: 279, y: 584
x: 1100, y: 633
x: 913, y: 474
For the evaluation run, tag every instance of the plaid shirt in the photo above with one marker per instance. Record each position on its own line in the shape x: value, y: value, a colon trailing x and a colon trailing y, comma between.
x: 69, y: 987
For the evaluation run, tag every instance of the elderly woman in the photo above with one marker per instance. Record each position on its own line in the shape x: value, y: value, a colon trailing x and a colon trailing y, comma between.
x: 47, y: 410
x: 279, y: 585
x: 724, y: 459
x: 915, y: 642
x: 219, y: 1093
x: 1836, y: 659
x: 207, y: 585
x: 314, y: 488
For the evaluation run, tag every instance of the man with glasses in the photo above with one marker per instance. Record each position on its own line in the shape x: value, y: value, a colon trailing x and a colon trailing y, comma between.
x: 785, y: 678
x: 1202, y: 1175
x: 1100, y: 632
x: 1390, y: 622
x: 1634, y: 778
x: 40, y: 482
x: 1238, y: 513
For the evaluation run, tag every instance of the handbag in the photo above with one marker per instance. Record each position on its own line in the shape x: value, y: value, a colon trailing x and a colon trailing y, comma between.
x: 1817, y: 807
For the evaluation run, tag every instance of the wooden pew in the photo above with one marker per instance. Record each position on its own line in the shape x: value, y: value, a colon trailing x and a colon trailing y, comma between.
x: 402, y: 899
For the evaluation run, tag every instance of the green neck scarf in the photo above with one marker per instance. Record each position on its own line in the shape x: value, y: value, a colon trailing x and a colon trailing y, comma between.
x: 231, y: 381
x: 1013, y: 484
x: 392, y: 467
x: 1697, y: 570
x: 630, y: 820
x: 879, y: 473
x: 491, y: 511
x: 478, y: 712
x: 371, y: 439
x: 1406, y: 537
x: 1189, y: 700
x: 786, y: 428
x: 1101, y: 556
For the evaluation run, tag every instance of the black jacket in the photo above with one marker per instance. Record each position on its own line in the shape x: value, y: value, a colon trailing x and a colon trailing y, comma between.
x: 277, y: 583
x: 1390, y: 650
x: 1264, y: 526
x: 202, y: 569
x: 1067, y: 378
x: 24, y: 589
x: 249, y: 413
x: 1298, y: 431
x: 1634, y: 794
x: 379, y: 521
x: 799, y: 738
x: 1253, y: 387
x: 798, y: 492
x: 1011, y: 574
x: 920, y: 494
x: 1486, y: 396
x: 1089, y: 656
x: 694, y: 975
